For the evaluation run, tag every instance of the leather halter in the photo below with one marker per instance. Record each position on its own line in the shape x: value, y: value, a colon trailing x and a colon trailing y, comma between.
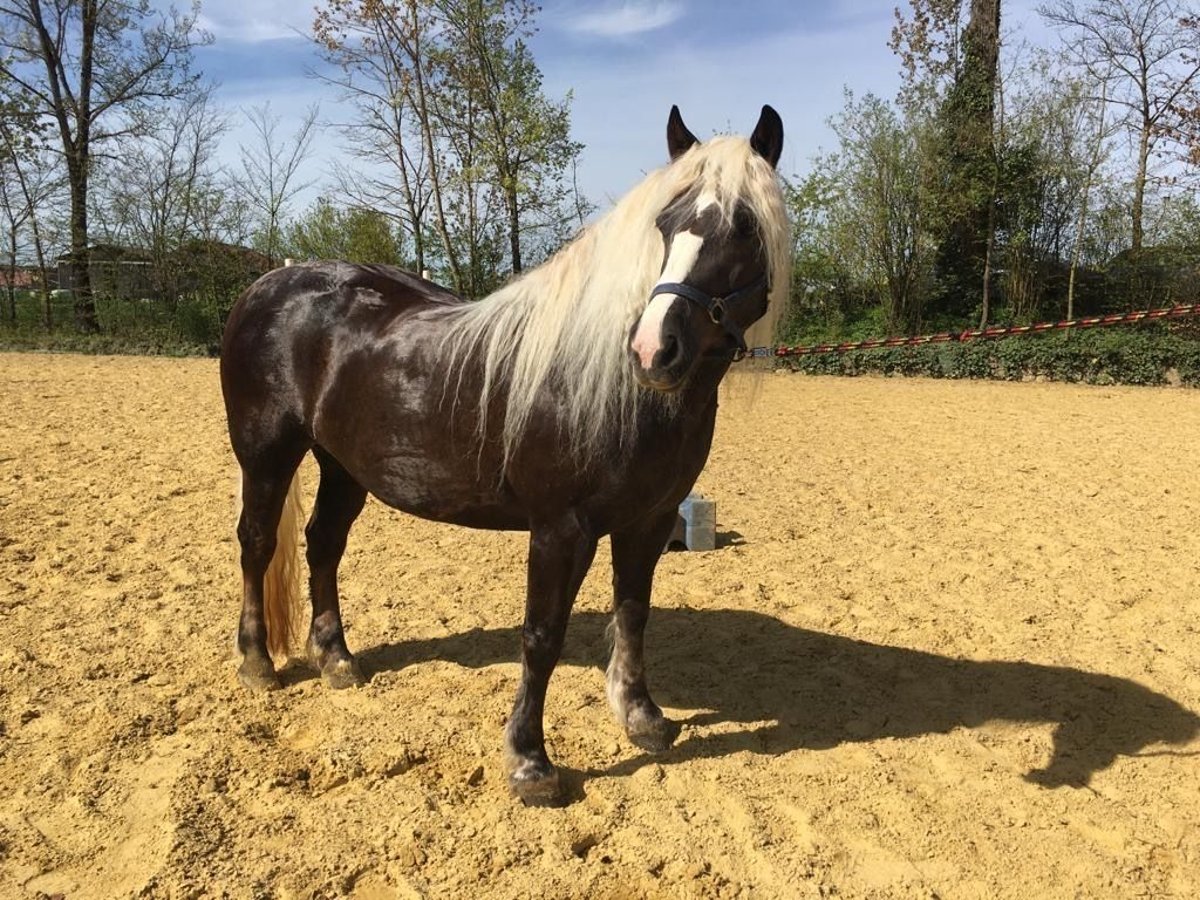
x: 721, y: 310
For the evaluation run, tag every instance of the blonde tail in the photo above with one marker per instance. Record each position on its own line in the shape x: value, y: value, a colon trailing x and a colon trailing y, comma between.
x: 282, y: 596
x: 281, y: 585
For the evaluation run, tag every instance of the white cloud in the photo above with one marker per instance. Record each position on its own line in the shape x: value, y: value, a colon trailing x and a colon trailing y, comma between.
x: 628, y: 19
x: 254, y: 21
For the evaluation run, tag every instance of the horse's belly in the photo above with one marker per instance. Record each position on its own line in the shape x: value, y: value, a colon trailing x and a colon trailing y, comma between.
x: 443, y: 490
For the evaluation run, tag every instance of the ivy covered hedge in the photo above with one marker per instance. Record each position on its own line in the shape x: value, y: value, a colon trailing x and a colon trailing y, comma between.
x: 1138, y: 355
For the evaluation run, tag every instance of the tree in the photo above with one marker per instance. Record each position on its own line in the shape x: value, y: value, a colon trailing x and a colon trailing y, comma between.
x: 158, y: 188
x: 831, y: 274
x: 1097, y: 129
x: 1147, y: 53
x: 15, y: 212
x: 927, y: 45
x: 354, y: 234
x: 952, y: 75
x: 269, y: 170
x: 1034, y: 184
x: 461, y: 144
x: 883, y: 204
x: 381, y: 49
x: 29, y: 182
x: 93, y: 67
x: 523, y: 137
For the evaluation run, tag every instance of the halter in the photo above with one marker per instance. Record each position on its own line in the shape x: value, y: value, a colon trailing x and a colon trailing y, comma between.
x: 719, y: 309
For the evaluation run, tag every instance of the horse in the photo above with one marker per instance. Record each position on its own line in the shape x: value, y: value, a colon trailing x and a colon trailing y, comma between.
x: 577, y: 401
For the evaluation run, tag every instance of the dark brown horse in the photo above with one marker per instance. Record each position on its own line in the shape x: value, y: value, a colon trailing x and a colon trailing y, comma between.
x: 577, y: 401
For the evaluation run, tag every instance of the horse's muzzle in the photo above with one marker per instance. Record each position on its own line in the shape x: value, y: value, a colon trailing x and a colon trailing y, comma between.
x: 663, y: 360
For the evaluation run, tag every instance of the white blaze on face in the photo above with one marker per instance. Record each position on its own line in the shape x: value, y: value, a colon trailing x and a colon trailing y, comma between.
x: 647, y: 339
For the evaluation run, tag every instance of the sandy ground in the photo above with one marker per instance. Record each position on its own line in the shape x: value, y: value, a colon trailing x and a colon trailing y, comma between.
x: 947, y: 647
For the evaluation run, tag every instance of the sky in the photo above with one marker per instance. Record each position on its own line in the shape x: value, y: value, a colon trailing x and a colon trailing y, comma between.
x: 625, y: 63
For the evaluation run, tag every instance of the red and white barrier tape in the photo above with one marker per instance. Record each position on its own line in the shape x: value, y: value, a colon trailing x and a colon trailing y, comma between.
x: 945, y: 337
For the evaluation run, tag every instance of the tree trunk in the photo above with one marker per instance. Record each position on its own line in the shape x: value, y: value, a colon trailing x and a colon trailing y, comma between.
x: 470, y: 190
x: 1077, y: 250
x: 81, y: 257
x: 997, y: 141
x: 514, y: 223
x: 507, y: 168
x: 427, y: 135
x: 419, y: 246
x: 987, y: 265
x: 410, y: 200
x: 12, y: 277
x: 39, y: 249
x: 1081, y: 225
x: 968, y: 155
x: 1139, y: 187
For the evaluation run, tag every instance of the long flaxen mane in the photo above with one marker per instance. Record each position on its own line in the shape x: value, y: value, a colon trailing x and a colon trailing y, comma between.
x: 566, y: 323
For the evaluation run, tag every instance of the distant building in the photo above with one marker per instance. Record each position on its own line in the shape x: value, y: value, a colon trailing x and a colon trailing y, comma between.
x: 115, y: 272
x: 198, y: 265
x: 23, y: 278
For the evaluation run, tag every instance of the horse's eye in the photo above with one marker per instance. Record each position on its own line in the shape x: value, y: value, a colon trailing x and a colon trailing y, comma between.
x: 743, y: 224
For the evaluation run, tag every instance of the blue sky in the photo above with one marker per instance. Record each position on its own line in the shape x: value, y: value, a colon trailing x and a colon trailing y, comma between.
x: 626, y: 62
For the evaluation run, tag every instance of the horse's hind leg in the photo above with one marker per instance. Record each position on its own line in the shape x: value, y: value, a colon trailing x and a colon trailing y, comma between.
x: 264, y: 492
x: 339, y: 501
x: 635, y: 555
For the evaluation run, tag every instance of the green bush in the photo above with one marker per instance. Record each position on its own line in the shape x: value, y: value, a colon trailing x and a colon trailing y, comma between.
x: 1134, y: 355
x: 189, y: 326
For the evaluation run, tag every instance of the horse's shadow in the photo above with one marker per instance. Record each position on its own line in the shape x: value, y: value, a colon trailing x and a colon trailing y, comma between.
x: 817, y: 691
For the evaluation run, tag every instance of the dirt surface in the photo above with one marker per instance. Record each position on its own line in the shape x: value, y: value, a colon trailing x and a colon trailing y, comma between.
x: 947, y: 647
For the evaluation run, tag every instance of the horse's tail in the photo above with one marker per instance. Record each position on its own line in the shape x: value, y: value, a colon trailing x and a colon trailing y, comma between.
x: 282, y: 595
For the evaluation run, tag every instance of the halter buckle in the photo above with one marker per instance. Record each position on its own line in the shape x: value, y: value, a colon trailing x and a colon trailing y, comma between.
x: 717, y: 311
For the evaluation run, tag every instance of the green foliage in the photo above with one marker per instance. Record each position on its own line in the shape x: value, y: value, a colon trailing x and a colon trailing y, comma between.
x: 466, y: 148
x: 147, y: 344
x: 860, y: 218
x: 894, y: 227
x: 191, y: 326
x: 353, y: 234
x: 1141, y: 355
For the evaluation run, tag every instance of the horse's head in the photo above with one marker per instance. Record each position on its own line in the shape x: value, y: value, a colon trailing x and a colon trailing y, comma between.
x: 716, y: 273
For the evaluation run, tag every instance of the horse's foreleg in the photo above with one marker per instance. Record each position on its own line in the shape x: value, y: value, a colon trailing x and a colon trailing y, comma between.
x: 339, y: 501
x: 560, y: 553
x: 635, y: 555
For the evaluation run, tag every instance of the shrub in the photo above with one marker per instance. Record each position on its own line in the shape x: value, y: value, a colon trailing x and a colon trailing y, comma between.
x: 1133, y: 355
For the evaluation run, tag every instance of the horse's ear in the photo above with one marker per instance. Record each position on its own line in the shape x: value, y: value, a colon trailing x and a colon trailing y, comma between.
x: 679, y: 139
x: 767, y: 139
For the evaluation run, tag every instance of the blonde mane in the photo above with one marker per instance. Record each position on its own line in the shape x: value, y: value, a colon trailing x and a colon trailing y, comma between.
x: 567, y: 322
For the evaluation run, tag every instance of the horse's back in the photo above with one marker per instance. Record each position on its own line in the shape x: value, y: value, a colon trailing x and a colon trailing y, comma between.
x: 292, y: 329
x: 325, y: 295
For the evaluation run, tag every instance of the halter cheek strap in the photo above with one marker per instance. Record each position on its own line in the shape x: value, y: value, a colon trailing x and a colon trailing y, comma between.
x: 720, y: 309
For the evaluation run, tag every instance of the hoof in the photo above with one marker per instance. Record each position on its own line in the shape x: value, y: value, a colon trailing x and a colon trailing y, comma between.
x: 339, y: 670
x: 654, y: 735
x: 342, y: 673
x: 535, y: 780
x: 538, y: 789
x: 258, y: 674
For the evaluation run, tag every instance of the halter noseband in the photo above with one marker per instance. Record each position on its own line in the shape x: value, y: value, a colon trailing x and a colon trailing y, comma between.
x: 719, y: 309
